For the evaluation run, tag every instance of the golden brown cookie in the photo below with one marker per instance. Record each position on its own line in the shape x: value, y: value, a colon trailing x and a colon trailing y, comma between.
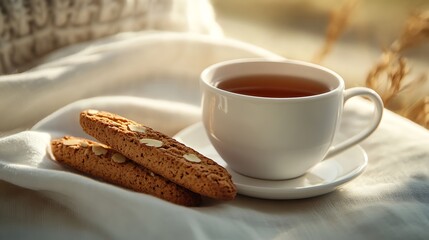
x: 100, y: 161
x: 160, y: 154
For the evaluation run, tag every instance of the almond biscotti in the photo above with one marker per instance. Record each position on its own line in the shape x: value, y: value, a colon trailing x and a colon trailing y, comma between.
x: 160, y: 153
x: 100, y: 161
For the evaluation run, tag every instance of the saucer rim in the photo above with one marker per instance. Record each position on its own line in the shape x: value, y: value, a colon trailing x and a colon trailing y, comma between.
x: 278, y: 193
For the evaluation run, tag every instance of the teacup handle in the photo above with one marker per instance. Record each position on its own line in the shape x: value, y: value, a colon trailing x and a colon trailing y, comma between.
x: 378, y: 113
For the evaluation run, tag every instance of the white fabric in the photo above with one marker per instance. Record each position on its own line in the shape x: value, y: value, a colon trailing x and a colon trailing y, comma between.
x: 153, y: 78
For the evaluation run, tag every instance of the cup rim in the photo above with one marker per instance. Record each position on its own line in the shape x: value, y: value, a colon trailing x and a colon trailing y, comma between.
x: 205, y: 79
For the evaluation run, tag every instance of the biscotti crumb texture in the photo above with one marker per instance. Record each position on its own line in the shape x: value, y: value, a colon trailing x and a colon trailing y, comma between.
x: 100, y: 161
x: 160, y: 154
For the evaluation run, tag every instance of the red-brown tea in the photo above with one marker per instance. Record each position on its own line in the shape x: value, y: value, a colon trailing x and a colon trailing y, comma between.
x: 273, y: 86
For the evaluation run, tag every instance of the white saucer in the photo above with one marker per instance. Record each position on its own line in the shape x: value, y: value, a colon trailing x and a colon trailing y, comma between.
x: 323, y: 178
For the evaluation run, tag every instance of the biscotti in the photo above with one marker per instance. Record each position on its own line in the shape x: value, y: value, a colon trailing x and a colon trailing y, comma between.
x: 100, y: 161
x: 160, y: 154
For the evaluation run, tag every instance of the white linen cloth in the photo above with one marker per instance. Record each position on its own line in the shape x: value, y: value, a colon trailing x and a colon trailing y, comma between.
x: 153, y: 78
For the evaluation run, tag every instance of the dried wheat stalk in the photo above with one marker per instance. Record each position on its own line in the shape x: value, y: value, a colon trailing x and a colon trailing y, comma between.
x: 415, y: 32
x: 388, y: 76
x: 338, y: 23
x: 418, y: 112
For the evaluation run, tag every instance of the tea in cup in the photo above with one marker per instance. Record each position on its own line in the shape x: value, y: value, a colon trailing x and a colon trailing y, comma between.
x: 275, y: 120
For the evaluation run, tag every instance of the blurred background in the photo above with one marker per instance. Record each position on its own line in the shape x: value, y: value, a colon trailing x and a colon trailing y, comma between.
x: 297, y: 29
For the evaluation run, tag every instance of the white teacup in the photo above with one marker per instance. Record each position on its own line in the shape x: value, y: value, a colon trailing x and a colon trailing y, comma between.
x: 277, y: 137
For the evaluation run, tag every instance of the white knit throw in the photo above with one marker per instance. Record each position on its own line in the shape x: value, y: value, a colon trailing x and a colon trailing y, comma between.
x: 29, y: 29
